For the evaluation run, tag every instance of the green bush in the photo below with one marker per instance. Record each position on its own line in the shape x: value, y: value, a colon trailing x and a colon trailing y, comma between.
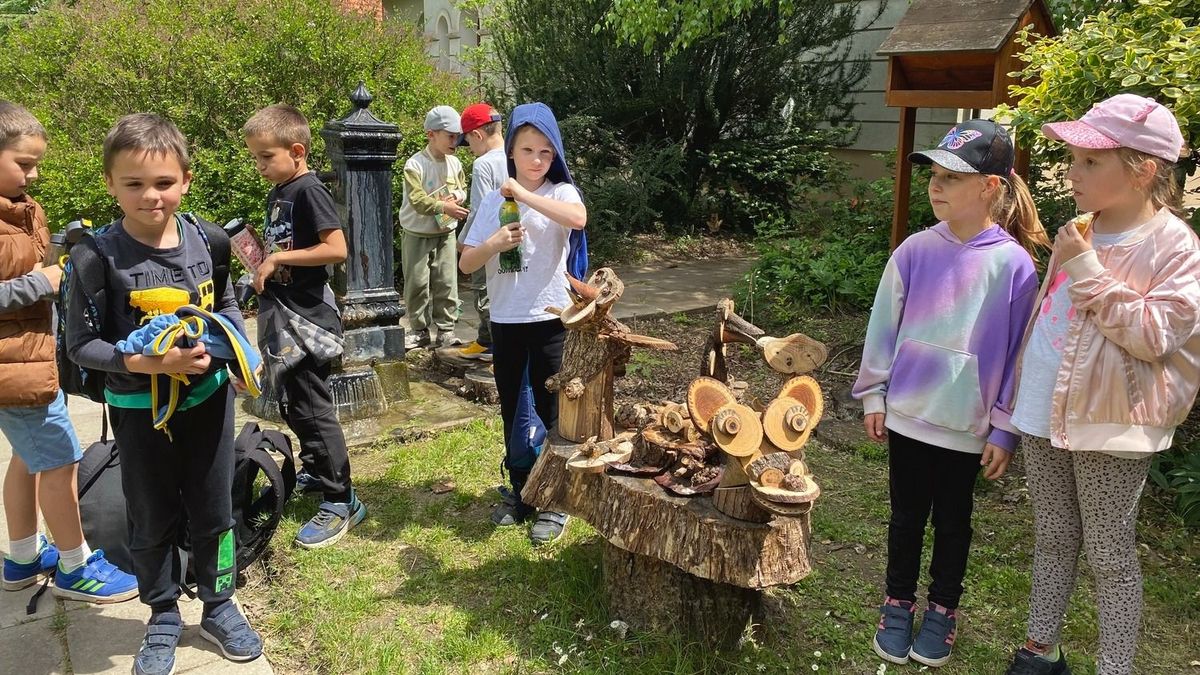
x: 832, y: 254
x: 208, y: 65
x: 1147, y: 47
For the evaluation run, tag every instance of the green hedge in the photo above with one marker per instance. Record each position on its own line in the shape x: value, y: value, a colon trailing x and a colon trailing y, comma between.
x: 208, y: 65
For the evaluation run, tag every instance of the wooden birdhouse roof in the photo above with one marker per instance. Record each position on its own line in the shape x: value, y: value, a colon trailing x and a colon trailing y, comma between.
x: 962, y: 25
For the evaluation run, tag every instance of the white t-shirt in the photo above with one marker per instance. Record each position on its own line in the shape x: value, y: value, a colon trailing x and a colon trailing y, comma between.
x: 1044, y: 353
x: 522, y: 297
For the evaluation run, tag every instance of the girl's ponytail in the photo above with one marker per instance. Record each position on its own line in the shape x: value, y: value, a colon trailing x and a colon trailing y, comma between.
x: 1016, y: 212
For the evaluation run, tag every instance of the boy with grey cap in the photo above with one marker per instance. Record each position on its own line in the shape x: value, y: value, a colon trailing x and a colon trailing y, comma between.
x: 435, y: 188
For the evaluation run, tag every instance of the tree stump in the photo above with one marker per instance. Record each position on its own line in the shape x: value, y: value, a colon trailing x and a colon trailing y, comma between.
x: 651, y: 595
x: 700, y: 569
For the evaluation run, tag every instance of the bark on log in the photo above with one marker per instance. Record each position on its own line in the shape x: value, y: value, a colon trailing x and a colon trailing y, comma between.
x: 691, y: 534
x: 651, y: 595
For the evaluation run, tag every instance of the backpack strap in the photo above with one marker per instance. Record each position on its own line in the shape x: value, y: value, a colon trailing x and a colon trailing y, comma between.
x: 219, y: 249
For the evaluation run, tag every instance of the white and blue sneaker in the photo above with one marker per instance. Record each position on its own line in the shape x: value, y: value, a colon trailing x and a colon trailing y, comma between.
x: 23, y: 575
x: 97, y: 581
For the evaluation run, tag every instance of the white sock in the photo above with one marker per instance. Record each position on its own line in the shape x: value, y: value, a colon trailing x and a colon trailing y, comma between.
x: 69, y: 561
x: 25, y: 550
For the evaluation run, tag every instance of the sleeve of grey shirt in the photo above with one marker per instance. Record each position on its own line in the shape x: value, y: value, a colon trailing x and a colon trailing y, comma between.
x: 84, y: 345
x: 481, y: 181
x: 24, y: 291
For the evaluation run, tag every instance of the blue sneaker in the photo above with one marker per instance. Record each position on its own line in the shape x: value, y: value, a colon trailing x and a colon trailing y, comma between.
x: 331, y: 523
x: 893, y: 637
x: 307, y: 483
x: 228, y: 629
x: 23, y: 575
x: 156, y: 656
x: 935, y: 640
x: 97, y: 581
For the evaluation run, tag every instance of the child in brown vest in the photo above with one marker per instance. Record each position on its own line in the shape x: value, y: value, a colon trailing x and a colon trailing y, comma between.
x: 33, y: 411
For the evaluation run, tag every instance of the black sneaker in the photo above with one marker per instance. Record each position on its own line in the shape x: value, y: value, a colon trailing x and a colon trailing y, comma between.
x: 548, y: 528
x: 1026, y: 662
x: 510, y: 510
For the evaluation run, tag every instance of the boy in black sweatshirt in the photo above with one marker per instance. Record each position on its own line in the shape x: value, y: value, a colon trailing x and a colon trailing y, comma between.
x: 154, y: 262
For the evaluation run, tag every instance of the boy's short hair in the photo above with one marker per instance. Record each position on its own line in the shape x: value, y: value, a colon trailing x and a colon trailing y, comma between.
x: 282, y: 123
x: 16, y: 122
x: 490, y: 129
x: 149, y: 133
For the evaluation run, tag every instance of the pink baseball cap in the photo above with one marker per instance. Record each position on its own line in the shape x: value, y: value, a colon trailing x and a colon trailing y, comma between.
x: 1123, y: 121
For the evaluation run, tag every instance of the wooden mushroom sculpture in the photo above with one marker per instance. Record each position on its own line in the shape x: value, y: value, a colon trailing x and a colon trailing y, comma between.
x: 795, y: 354
x: 596, y: 344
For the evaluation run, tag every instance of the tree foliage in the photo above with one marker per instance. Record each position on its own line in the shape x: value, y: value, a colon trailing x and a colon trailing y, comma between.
x: 729, y: 115
x: 207, y: 65
x: 1151, y: 48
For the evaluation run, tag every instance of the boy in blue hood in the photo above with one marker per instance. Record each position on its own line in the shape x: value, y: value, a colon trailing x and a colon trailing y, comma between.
x: 527, y: 341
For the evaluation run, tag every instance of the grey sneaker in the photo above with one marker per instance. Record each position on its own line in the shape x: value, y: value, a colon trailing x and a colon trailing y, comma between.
x: 156, y: 656
x: 416, y: 339
x: 548, y: 528
x: 510, y: 510
x: 228, y: 629
x: 448, y: 339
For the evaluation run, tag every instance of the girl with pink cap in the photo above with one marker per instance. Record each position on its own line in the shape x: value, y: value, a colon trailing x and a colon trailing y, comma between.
x: 1110, y: 366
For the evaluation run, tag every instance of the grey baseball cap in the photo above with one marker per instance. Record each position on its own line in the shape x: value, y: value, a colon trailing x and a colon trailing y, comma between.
x: 443, y: 118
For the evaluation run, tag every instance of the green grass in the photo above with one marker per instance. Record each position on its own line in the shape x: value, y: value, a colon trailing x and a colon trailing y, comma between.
x: 427, y: 585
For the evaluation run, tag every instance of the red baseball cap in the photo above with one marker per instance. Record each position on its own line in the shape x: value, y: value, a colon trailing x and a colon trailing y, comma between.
x: 475, y: 116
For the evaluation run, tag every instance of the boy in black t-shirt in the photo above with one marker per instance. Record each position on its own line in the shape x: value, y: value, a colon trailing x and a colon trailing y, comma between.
x: 303, y: 235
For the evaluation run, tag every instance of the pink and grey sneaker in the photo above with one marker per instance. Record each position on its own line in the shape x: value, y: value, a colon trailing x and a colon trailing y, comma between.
x: 935, y: 640
x: 893, y: 636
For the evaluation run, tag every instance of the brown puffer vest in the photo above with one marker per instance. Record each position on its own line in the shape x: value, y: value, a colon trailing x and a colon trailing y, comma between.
x: 28, y: 374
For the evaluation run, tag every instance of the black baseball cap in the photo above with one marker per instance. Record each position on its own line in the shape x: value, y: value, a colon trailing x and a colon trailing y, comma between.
x: 974, y: 146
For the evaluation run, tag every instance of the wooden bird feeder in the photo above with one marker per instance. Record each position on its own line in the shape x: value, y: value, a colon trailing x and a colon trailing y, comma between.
x: 953, y: 54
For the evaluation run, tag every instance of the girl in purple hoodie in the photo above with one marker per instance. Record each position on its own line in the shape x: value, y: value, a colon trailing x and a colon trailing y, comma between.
x: 936, y: 380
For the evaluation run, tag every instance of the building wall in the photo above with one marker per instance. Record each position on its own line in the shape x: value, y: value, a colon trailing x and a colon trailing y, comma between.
x: 370, y: 7
x: 879, y: 124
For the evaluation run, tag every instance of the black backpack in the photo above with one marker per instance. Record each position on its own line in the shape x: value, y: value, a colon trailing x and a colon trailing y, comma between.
x: 261, y: 488
x: 85, y: 255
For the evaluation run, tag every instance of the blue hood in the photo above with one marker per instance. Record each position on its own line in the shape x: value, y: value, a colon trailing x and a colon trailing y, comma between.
x: 540, y: 117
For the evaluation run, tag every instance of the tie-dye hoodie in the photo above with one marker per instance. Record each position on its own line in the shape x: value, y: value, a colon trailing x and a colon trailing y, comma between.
x: 944, y: 336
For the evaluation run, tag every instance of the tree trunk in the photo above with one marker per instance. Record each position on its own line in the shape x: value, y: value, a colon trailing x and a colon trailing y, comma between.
x: 651, y: 595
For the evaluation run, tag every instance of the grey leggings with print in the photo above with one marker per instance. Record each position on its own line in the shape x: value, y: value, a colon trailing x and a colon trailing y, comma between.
x: 1086, y: 499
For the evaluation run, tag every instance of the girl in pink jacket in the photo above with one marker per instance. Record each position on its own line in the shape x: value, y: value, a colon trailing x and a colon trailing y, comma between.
x: 1110, y: 367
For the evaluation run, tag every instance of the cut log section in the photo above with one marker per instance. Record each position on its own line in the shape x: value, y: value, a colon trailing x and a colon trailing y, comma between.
x: 787, y: 423
x: 779, y: 508
x: 795, y: 354
x: 599, y: 456
x: 675, y: 416
x: 738, y: 502
x: 807, y: 491
x: 705, y: 397
x: 806, y: 390
x: 737, y: 430
x: 690, y: 534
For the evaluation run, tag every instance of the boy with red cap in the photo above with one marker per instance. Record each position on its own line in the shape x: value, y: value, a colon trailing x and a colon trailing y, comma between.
x: 482, y: 134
